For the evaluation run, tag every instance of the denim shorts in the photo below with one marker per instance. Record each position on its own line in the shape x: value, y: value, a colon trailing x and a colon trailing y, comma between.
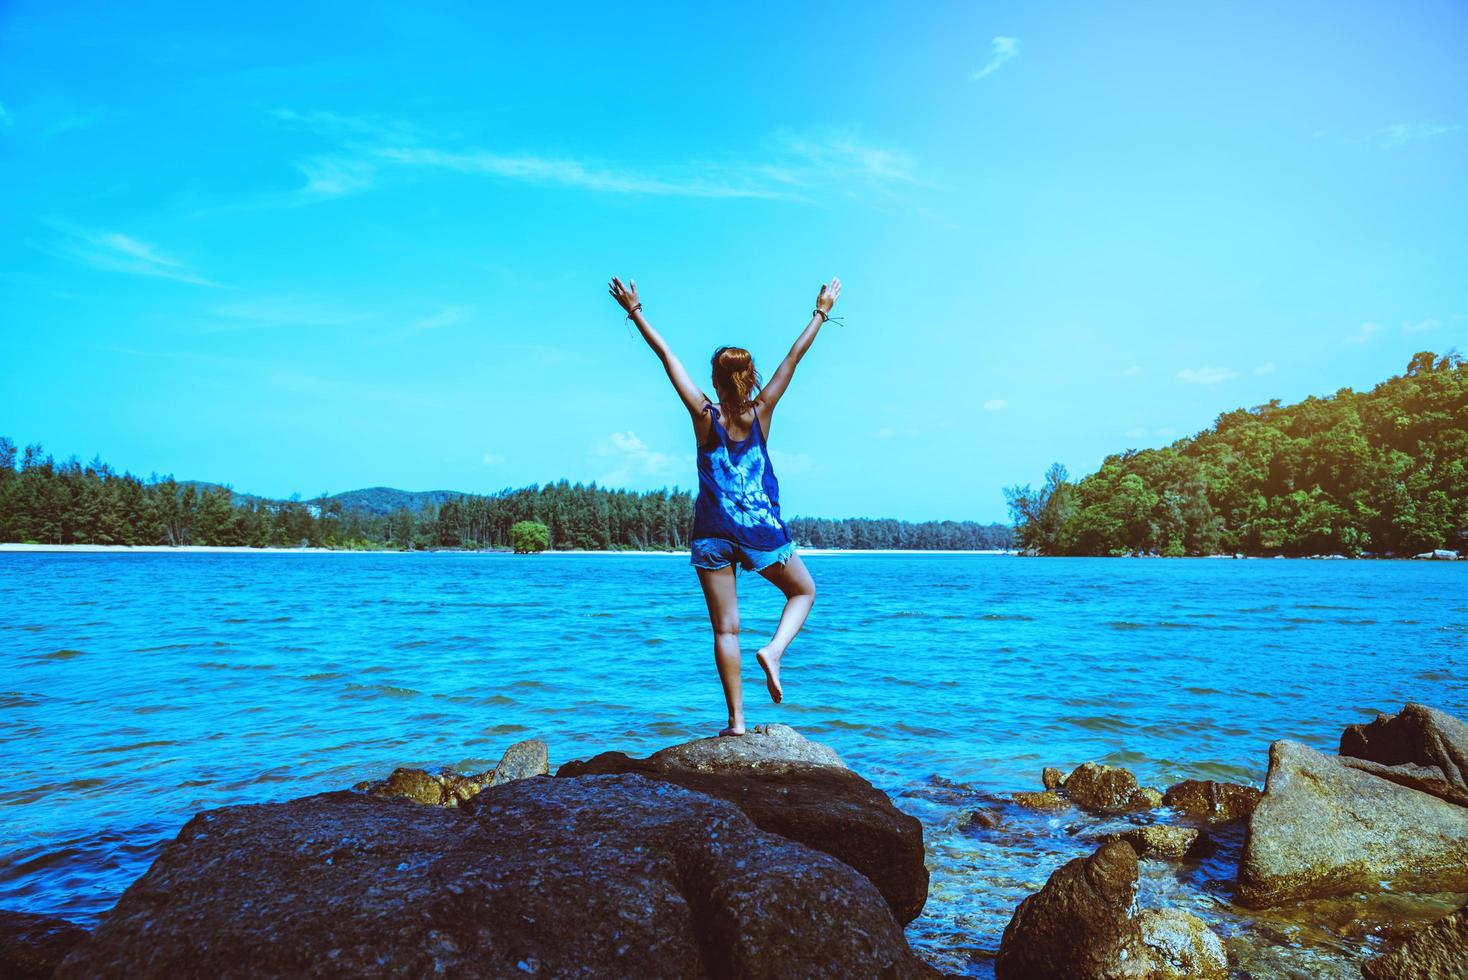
x: 716, y: 553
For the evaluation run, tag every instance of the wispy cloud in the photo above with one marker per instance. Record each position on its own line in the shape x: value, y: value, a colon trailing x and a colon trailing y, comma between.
x: 1206, y: 375
x: 1132, y: 371
x: 366, y: 153
x: 1422, y: 326
x: 1266, y: 368
x: 283, y: 312
x: 1400, y: 134
x: 117, y: 252
x: 631, y: 458
x: 6, y: 119
x: 1135, y: 433
x: 493, y: 459
x: 995, y: 405
x: 1002, y: 50
x: 895, y: 432
x: 446, y: 317
x: 792, y: 463
x: 1364, y: 333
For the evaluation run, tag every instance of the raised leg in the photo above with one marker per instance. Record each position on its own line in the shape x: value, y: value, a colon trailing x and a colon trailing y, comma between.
x: 723, y: 602
x: 793, y: 579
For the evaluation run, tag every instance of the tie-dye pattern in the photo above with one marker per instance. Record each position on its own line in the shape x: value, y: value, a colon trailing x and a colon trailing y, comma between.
x: 738, y: 495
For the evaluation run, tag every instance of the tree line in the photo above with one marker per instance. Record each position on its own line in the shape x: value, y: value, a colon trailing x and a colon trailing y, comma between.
x: 48, y: 502
x: 1379, y: 472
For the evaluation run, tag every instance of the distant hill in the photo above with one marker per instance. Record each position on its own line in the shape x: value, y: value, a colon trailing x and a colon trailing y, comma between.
x: 382, y: 501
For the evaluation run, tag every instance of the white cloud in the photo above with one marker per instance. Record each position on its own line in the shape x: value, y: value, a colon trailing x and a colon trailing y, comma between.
x: 1135, y: 433
x: 1167, y: 433
x: 1422, y: 326
x: 1001, y: 51
x: 284, y: 311
x: 1206, y: 375
x: 789, y: 463
x: 1132, y: 371
x: 117, y: 252
x: 1364, y: 333
x: 493, y: 459
x: 995, y: 405
x: 631, y: 459
x: 446, y: 317
x: 337, y: 176
x: 1266, y: 368
x: 895, y: 432
x: 1400, y: 134
x: 6, y: 119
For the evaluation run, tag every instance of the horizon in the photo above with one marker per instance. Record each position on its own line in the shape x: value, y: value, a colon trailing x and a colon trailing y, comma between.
x: 307, y: 259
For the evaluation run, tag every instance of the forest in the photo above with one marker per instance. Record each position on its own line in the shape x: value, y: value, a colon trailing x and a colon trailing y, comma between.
x: 1382, y: 472
x: 43, y: 501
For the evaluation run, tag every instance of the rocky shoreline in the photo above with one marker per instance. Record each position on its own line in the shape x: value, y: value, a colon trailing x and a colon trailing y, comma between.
x: 767, y: 856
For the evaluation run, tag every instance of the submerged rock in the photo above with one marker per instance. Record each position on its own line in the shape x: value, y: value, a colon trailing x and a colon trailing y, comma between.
x: 1048, y: 800
x: 1162, y: 841
x: 1323, y: 828
x: 1107, y: 789
x: 593, y: 876
x: 1178, y: 945
x: 1080, y: 926
x: 1215, y: 802
x: 1420, y: 747
x: 1435, y: 952
x: 32, y: 945
x: 800, y: 790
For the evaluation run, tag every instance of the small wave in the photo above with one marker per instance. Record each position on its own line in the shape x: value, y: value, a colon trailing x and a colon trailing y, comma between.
x: 388, y: 690
x: 60, y: 655
x: 169, y: 646
x: 1008, y: 618
x: 1122, y: 624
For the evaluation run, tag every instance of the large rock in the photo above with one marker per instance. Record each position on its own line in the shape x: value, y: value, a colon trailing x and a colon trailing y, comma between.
x: 800, y: 790
x: 1420, y: 747
x: 1323, y: 828
x: 1081, y: 926
x: 1435, y: 952
x: 1107, y: 789
x: 596, y: 876
x: 31, y: 945
x: 522, y: 761
x: 1162, y: 841
x: 1215, y: 802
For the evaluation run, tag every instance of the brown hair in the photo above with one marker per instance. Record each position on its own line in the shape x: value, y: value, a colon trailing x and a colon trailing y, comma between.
x: 735, y: 379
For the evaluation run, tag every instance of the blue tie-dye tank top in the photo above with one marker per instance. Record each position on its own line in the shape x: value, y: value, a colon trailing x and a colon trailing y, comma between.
x: 738, y: 495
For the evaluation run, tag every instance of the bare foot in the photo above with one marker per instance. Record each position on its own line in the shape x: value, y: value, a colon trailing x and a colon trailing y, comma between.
x: 771, y: 664
x: 733, y: 730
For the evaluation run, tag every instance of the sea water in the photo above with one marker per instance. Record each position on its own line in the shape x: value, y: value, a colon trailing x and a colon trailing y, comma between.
x: 138, y: 689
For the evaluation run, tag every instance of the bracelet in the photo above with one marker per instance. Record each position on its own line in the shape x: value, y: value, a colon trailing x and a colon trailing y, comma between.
x: 633, y: 310
x: 820, y: 313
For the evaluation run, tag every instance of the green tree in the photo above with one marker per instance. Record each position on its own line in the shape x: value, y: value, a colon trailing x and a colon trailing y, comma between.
x: 528, y: 537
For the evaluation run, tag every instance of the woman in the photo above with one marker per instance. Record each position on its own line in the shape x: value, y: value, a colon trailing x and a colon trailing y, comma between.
x: 736, y: 518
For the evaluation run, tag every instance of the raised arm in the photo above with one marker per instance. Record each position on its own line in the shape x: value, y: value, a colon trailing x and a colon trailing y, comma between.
x: 692, y: 395
x: 774, y: 389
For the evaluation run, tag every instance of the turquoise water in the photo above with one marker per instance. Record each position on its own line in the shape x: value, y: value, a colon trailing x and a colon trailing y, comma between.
x: 138, y: 689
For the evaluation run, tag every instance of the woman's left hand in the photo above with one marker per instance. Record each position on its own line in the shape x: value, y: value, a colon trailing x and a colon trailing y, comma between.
x: 626, y: 295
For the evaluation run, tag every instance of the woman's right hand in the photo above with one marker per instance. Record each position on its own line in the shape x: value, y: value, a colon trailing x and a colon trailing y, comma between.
x: 826, y: 298
x: 626, y: 296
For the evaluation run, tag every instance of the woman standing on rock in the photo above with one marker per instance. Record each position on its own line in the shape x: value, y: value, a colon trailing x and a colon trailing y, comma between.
x: 736, y: 518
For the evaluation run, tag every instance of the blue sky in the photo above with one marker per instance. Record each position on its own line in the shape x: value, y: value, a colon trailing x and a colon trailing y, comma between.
x: 313, y: 247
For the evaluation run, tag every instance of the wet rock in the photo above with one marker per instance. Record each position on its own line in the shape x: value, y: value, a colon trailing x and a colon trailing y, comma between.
x: 594, y: 876
x: 1105, y: 789
x: 1047, y: 800
x: 1178, y: 945
x: 1080, y: 926
x: 1216, y: 802
x: 1420, y: 747
x: 1147, y: 798
x: 1435, y: 952
x: 522, y: 761
x: 1077, y: 925
x: 800, y: 790
x: 986, y: 819
x: 1052, y: 778
x: 1163, y: 841
x: 1323, y: 828
x: 31, y: 945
